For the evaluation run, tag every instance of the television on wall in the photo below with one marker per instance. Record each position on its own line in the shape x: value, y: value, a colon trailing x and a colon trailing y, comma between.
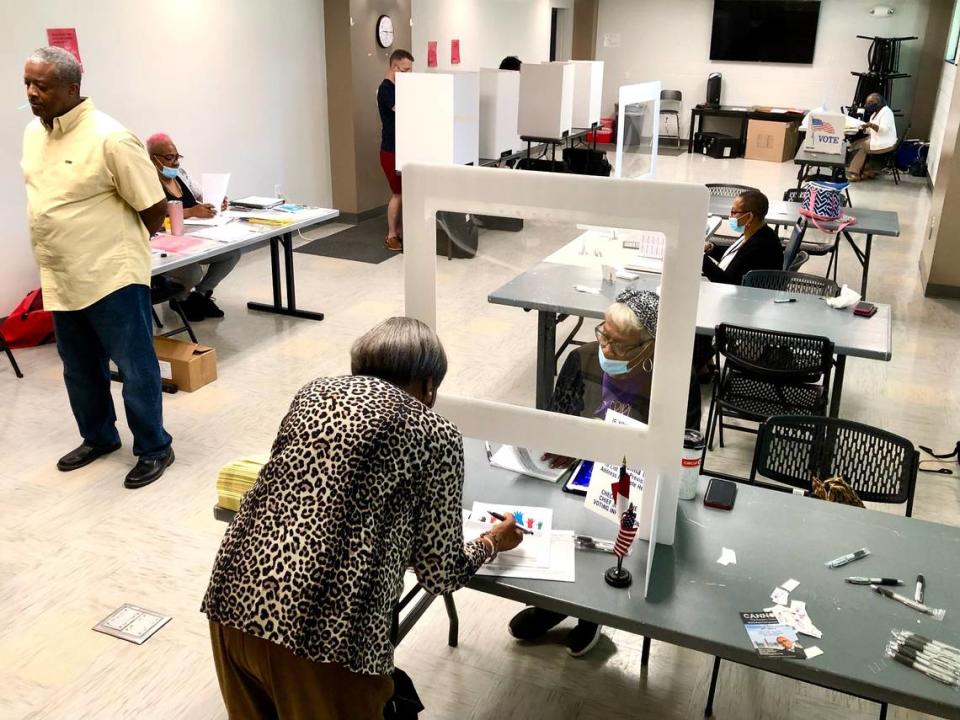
x: 780, y: 31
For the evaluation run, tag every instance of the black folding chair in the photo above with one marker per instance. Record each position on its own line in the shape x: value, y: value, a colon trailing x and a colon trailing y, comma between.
x: 6, y: 349
x: 793, y: 282
x: 162, y: 290
x: 880, y: 466
x: 767, y: 373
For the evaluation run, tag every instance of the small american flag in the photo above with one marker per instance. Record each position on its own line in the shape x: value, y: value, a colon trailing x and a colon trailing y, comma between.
x: 626, y: 533
x: 826, y: 127
x: 621, y: 488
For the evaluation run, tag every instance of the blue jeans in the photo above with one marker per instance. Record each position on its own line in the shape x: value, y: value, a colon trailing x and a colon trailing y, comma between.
x: 118, y: 327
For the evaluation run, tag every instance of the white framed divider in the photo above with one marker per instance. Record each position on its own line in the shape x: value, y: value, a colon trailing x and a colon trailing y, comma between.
x: 546, y: 99
x: 499, y: 106
x: 587, y: 91
x: 640, y: 93
x: 438, y: 118
x: 676, y: 209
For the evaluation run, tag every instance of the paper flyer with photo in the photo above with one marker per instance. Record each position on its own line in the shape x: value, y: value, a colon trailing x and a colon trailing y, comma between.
x: 600, y: 492
x: 534, y: 551
x: 770, y: 637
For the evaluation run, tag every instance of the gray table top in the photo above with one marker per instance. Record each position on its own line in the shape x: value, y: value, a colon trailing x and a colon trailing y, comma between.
x: 694, y: 602
x: 549, y: 287
x: 869, y: 222
x: 258, y: 235
x: 808, y: 157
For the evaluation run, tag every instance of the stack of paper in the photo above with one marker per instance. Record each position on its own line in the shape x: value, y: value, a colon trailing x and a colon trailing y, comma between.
x: 236, y: 478
x: 527, y: 462
x: 544, y: 554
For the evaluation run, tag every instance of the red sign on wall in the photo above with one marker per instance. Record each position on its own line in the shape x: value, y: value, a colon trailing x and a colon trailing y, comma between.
x: 455, y: 52
x: 431, y: 53
x: 65, y: 38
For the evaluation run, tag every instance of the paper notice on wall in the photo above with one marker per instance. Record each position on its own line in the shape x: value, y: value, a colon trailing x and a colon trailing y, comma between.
x: 455, y: 51
x: 65, y: 38
x: 611, y: 39
x: 431, y: 53
x: 605, y: 479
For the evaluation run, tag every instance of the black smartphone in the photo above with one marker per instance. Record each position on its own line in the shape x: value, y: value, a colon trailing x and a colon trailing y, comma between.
x: 865, y: 309
x: 721, y: 494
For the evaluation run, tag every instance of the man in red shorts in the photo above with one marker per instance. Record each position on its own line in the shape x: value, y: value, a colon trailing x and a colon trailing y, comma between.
x: 400, y: 61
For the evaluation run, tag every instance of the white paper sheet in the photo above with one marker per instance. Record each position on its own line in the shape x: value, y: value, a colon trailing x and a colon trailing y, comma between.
x: 214, y: 188
x: 228, y: 233
x: 599, y: 497
x: 780, y: 596
x: 527, y: 462
x: 812, y: 652
x: 790, y: 585
x: 216, y: 220
x: 562, y: 567
x: 533, y: 552
x: 727, y: 557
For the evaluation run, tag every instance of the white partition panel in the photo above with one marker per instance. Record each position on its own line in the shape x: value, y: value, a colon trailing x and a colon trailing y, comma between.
x: 676, y: 209
x: 424, y: 118
x: 466, y: 118
x: 499, y: 107
x: 648, y: 92
x: 587, y: 92
x: 546, y: 99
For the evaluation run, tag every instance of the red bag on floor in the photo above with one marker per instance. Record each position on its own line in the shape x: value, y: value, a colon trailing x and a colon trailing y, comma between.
x: 28, y: 324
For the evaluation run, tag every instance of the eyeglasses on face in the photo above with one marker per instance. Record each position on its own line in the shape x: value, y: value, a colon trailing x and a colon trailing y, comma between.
x: 620, y: 348
x: 171, y: 158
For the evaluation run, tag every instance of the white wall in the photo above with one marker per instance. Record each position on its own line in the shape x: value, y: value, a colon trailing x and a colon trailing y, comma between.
x: 940, y: 113
x: 670, y: 41
x: 488, y: 31
x: 239, y: 84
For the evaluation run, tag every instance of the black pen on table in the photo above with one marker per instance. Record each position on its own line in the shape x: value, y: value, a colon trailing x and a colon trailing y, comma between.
x: 784, y: 300
x: 921, y: 586
x: 874, y: 581
x: 501, y: 518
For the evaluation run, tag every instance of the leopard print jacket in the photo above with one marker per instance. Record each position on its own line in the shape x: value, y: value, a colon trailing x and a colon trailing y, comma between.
x: 363, y: 481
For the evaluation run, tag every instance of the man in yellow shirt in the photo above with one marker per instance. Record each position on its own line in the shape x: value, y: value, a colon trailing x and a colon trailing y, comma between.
x: 93, y: 201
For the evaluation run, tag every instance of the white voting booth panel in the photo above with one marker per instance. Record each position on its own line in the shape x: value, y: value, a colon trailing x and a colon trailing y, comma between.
x: 499, y: 106
x: 546, y: 99
x: 826, y: 132
x: 437, y: 118
x: 648, y: 92
x: 587, y: 90
x: 675, y: 209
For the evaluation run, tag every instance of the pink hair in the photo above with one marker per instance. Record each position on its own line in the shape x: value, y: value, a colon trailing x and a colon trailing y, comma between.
x: 156, y: 139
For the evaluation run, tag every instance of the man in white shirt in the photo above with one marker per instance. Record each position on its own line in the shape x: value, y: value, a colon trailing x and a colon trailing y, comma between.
x: 881, y: 137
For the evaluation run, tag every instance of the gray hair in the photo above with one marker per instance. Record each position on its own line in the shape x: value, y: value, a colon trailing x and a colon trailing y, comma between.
x: 67, y: 66
x: 400, y: 350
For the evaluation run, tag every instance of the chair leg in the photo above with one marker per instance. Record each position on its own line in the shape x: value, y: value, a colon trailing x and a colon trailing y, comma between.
x: 883, y: 711
x: 708, y: 710
x: 453, y: 618
x: 711, y: 423
x: 720, y: 423
x: 645, y: 652
x: 13, y: 361
x: 156, y: 318
x: 175, y: 304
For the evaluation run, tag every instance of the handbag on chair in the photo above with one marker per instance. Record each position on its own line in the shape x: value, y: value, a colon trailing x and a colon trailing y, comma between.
x: 822, y: 202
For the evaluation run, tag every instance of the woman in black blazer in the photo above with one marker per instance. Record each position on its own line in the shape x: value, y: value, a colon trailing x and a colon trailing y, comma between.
x: 757, y: 249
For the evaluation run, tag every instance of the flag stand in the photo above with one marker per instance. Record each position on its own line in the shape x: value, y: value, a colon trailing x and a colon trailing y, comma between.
x: 617, y: 576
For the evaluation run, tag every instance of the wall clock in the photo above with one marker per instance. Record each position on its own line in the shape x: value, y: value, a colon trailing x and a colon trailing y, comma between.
x: 384, y: 31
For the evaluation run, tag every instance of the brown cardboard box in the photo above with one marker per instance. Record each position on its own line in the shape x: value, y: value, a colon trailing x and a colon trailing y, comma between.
x: 771, y: 141
x: 188, y: 365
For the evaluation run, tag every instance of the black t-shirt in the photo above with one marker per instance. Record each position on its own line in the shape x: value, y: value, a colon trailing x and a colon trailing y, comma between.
x: 186, y: 196
x: 386, y: 100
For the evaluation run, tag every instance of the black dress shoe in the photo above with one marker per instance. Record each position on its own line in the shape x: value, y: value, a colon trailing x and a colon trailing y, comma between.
x: 83, y: 455
x: 146, y: 471
x: 210, y: 308
x: 193, y: 307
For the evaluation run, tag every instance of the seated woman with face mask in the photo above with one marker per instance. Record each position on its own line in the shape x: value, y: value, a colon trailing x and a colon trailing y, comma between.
x: 757, y: 248
x: 613, y: 373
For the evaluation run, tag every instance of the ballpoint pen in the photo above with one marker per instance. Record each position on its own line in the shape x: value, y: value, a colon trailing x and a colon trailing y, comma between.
x: 585, y: 542
x: 873, y: 581
x: 935, y: 613
x: 501, y: 518
x: 486, y: 446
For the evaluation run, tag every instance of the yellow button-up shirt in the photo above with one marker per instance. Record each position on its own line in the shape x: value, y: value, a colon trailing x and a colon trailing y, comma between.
x: 87, y: 179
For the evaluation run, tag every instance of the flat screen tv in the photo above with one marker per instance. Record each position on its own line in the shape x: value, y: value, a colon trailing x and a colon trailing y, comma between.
x: 783, y: 31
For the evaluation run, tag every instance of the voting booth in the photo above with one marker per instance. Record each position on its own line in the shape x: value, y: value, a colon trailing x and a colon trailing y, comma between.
x: 546, y: 100
x: 437, y: 118
x: 499, y: 106
x: 825, y: 132
x: 587, y: 90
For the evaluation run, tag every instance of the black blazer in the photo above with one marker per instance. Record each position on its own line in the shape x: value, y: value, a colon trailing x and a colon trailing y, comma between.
x: 761, y: 252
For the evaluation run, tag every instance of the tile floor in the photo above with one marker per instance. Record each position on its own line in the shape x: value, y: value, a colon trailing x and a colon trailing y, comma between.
x: 73, y: 547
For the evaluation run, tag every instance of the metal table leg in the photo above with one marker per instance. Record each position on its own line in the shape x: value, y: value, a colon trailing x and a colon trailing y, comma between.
x: 454, y: 620
x: 863, y: 257
x: 839, y: 367
x: 546, y: 357
x: 286, y: 242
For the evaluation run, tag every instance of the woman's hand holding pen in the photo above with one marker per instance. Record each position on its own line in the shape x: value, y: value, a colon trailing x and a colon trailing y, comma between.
x: 507, y: 533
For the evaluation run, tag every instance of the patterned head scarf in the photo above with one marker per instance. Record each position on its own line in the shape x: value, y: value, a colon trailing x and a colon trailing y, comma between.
x: 645, y: 305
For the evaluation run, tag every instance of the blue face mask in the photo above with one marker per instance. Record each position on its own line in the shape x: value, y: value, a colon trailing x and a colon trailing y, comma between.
x: 735, y: 226
x: 169, y: 172
x: 612, y: 367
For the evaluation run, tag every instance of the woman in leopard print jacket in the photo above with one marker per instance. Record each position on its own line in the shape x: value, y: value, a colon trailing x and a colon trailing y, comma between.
x: 364, y: 480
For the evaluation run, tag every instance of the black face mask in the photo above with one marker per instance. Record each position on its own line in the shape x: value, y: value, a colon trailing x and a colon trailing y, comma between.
x: 872, y: 108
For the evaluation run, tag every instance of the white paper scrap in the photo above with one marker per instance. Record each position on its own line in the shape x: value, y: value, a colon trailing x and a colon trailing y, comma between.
x: 790, y: 585
x: 727, y: 557
x: 812, y: 652
x: 213, y: 187
x: 779, y: 596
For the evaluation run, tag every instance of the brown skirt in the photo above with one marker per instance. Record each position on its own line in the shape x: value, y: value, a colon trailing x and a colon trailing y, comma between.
x: 261, y: 680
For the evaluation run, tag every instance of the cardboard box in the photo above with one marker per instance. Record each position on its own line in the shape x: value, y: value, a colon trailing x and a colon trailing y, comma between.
x: 771, y: 140
x: 190, y: 366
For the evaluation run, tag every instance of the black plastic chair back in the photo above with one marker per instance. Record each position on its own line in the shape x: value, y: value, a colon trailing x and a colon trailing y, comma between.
x: 792, y: 282
x: 776, y: 356
x: 880, y: 466
x: 727, y: 190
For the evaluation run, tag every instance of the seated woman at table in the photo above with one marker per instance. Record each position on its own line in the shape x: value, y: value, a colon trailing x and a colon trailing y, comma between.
x: 364, y: 480
x: 613, y: 373
x: 758, y: 247
x: 881, y: 137
x: 196, y: 299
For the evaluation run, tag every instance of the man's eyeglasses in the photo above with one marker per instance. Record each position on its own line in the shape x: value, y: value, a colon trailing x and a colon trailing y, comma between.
x: 619, y: 348
x: 172, y: 157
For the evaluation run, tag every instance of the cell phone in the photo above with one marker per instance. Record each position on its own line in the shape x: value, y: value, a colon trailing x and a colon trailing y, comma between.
x: 865, y: 309
x: 721, y: 494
